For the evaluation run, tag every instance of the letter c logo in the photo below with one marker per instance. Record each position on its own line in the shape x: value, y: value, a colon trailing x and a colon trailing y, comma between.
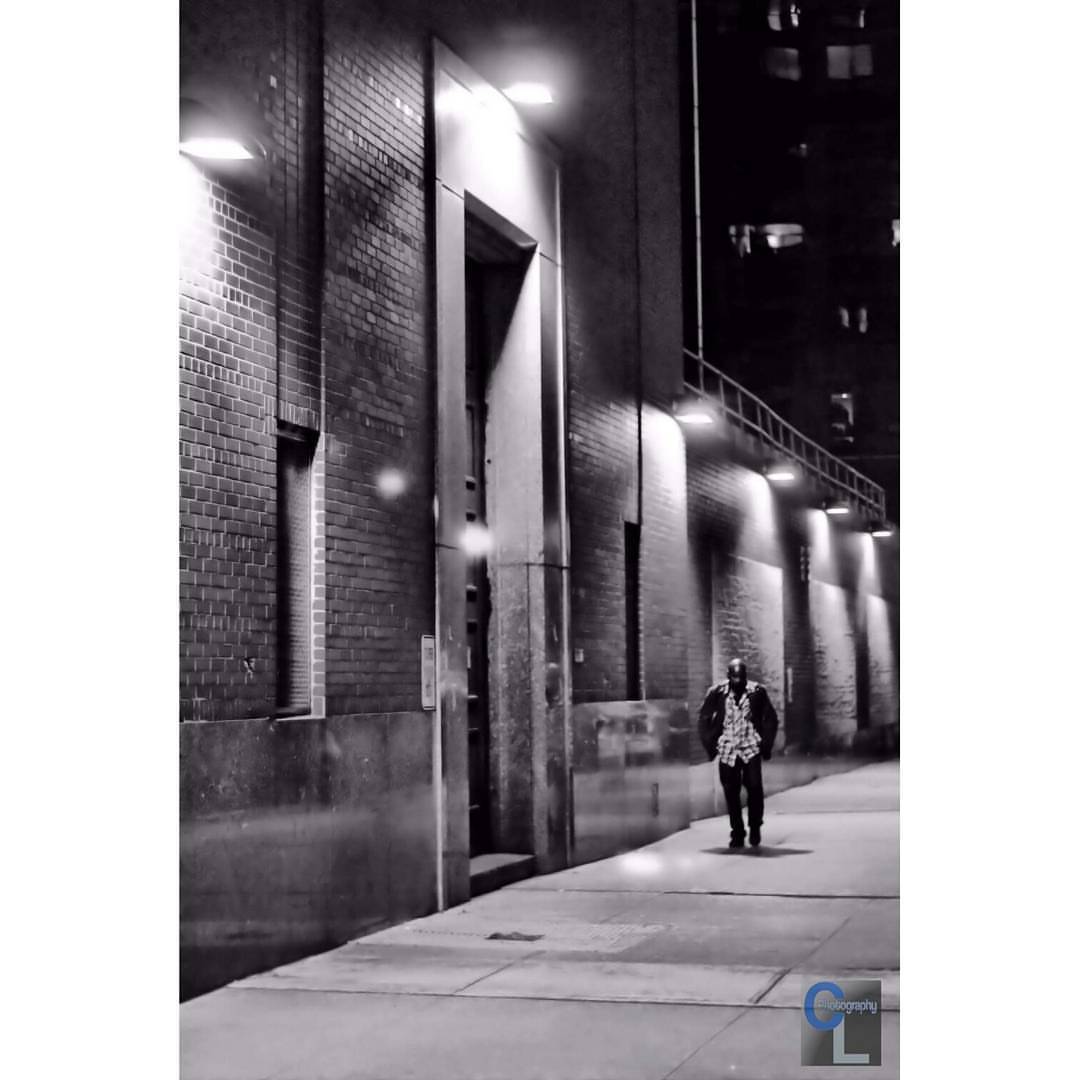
x: 836, y: 1019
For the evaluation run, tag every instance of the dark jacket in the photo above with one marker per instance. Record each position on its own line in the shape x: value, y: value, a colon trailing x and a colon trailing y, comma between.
x: 762, y: 716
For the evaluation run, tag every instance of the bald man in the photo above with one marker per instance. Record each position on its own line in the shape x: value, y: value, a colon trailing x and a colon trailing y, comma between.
x: 737, y: 724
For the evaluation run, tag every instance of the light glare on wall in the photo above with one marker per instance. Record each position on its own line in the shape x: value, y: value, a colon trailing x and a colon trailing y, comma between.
x: 529, y: 93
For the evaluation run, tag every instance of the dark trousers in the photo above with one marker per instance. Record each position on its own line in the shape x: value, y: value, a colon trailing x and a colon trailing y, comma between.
x: 732, y: 778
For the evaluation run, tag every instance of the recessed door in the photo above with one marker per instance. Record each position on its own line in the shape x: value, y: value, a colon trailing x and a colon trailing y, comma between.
x: 477, y: 588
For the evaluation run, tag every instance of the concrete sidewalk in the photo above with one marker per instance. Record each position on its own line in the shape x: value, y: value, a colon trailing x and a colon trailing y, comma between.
x: 681, y: 960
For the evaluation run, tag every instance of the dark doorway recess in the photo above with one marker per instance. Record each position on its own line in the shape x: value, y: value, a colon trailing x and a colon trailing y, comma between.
x: 477, y: 584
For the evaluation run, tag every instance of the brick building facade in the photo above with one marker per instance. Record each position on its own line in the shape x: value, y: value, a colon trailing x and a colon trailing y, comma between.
x: 329, y: 430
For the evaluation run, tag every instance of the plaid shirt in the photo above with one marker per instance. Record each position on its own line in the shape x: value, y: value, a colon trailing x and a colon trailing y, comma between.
x: 738, y: 739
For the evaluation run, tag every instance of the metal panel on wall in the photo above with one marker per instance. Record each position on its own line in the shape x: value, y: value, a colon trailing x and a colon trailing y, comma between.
x: 631, y: 782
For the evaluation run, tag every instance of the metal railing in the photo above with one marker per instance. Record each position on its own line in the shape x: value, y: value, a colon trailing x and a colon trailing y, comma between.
x: 749, y: 413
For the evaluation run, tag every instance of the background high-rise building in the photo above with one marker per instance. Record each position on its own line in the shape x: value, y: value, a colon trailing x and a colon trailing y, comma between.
x: 800, y: 208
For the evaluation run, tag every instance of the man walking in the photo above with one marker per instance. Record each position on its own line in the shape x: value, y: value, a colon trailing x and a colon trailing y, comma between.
x: 738, y: 724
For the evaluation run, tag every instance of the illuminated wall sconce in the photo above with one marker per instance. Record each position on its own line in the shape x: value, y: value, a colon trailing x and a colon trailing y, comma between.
x: 476, y: 540
x: 780, y: 472
x: 206, y: 135
x: 529, y: 93
x: 693, y: 411
x: 880, y: 529
x: 782, y: 235
x: 836, y: 508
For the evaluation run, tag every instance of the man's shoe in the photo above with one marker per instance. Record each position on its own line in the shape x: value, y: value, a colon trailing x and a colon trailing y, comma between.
x: 736, y: 842
x: 755, y: 836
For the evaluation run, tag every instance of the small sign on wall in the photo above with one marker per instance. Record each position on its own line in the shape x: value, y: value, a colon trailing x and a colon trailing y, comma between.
x: 427, y: 671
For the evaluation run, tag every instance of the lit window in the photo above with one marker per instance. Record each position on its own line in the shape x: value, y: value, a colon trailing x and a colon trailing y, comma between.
x: 842, y: 418
x: 747, y: 238
x: 782, y: 64
x: 850, y: 61
x: 783, y: 15
x: 782, y: 235
x: 896, y: 232
x: 864, y: 320
x: 848, y: 17
x: 740, y: 238
x: 845, y: 317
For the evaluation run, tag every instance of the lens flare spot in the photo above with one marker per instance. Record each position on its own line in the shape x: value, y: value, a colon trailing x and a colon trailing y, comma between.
x: 391, y: 483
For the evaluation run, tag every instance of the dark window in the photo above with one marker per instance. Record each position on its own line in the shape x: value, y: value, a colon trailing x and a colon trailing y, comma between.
x: 842, y: 420
x: 782, y: 64
x: 295, y: 453
x: 633, y: 611
x: 850, y: 61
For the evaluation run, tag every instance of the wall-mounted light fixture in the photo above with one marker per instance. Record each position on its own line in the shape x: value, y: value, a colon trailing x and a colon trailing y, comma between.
x: 880, y: 529
x: 694, y: 411
x: 836, y: 508
x: 780, y: 472
x: 529, y: 93
x: 206, y: 135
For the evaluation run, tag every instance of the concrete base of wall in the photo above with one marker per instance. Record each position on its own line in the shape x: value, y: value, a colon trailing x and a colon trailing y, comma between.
x: 630, y: 775
x: 298, y: 835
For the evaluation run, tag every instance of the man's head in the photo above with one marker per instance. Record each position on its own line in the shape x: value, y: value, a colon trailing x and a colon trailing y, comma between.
x: 736, y: 673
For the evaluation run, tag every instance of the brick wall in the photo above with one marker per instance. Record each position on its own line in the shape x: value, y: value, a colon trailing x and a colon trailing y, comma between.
x: 600, y: 257
x: 665, y: 581
x: 249, y: 341
x: 748, y: 622
x: 884, y: 686
x: 379, y: 392
x: 227, y: 389
x: 832, y: 617
x: 261, y: 310
x: 623, y: 337
x: 779, y: 569
x: 742, y: 571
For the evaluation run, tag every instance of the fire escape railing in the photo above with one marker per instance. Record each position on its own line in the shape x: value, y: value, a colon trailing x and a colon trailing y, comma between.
x: 749, y: 413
